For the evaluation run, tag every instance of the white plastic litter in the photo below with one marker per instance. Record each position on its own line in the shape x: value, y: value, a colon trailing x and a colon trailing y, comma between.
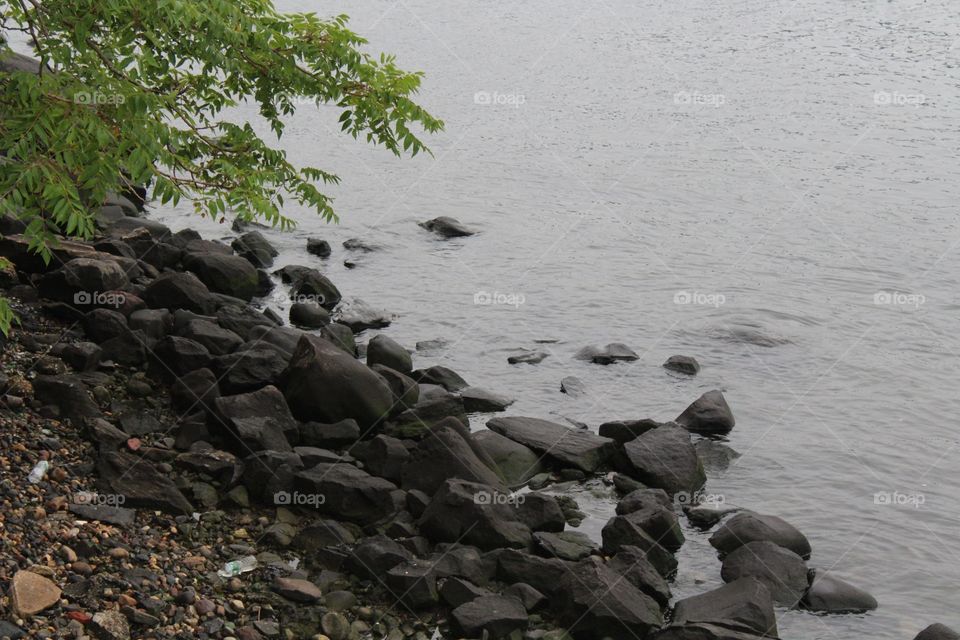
x: 233, y: 568
x: 39, y: 472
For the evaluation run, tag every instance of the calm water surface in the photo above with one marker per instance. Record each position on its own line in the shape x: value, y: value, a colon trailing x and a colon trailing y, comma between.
x: 780, y: 162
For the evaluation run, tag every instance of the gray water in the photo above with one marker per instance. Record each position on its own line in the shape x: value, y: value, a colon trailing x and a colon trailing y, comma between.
x: 781, y: 162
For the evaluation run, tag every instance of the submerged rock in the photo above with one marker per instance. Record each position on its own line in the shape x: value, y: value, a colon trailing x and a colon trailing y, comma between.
x: 782, y: 571
x: 682, y: 364
x: 751, y: 527
x: 829, y: 594
x: 938, y: 632
x: 665, y: 458
x: 490, y: 616
x: 709, y: 415
x: 447, y: 227
x: 481, y: 401
x: 517, y: 463
x: 533, y: 357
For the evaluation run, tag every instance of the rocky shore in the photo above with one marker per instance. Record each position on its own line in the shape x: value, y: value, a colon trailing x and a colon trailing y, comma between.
x: 181, y: 462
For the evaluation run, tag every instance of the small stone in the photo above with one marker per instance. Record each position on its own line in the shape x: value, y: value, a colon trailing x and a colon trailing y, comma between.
x: 336, y: 626
x: 297, y: 590
x: 31, y: 593
x: 110, y: 625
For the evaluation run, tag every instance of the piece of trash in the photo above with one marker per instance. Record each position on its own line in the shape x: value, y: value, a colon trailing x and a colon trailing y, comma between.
x: 293, y: 564
x: 39, y: 472
x: 233, y: 568
x: 196, y: 516
x: 133, y: 444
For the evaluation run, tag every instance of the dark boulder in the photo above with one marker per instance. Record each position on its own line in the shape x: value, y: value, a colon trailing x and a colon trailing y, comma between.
x: 682, y: 364
x: 709, y: 415
x: 515, y: 462
x: 442, y: 376
x: 388, y: 352
x: 544, y: 574
x: 155, y: 323
x: 323, y: 383
x: 336, y: 435
x: 103, y: 324
x: 406, y: 392
x: 632, y: 563
x: 596, y: 602
x: 447, y: 227
x: 446, y: 453
x: 624, y: 431
x: 81, y: 281
x: 231, y: 275
x: 309, y: 315
x: 622, y: 531
x: 359, y: 316
x: 568, y: 447
x: 255, y: 248
x: 566, y: 545
x: 216, y: 339
x: 782, y: 571
x: 829, y: 594
x: 259, y: 420
x: 348, y: 493
x: 140, y: 483
x: 309, y: 285
x: 434, y: 405
x: 475, y: 514
x: 249, y: 369
x: 938, y: 632
x: 269, y: 476
x: 244, y: 320
x: 69, y: 394
x: 318, y: 247
x: 752, y: 527
x: 179, y: 291
x: 176, y: 356
x: 664, y: 458
x: 743, y: 605
x: 491, y: 617
x: 532, y: 357
x: 481, y: 401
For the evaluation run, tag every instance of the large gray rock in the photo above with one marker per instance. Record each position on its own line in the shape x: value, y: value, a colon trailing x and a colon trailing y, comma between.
x: 446, y: 227
x: 490, y: 616
x: 482, y: 401
x: 743, y: 605
x: 622, y: 531
x: 385, y: 350
x: 231, y: 275
x: 709, y: 414
x: 475, y: 514
x: 648, y: 512
x: 665, y: 458
x: 175, y: 290
x: 216, y: 339
x: 325, y: 384
x: 632, y: 563
x: 751, y: 527
x: 309, y: 285
x: 516, y: 462
x: 829, y: 594
x: 446, y: 453
x: 259, y: 420
x: 569, y: 447
x: 347, y: 492
x: 597, y: 602
x: 938, y: 632
x: 140, y: 483
x: 434, y: 405
x: 69, y: 394
x: 81, y: 280
x: 256, y: 249
x: 782, y: 571
x: 543, y: 574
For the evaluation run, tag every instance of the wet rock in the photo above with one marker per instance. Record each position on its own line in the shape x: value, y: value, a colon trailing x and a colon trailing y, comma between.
x: 752, y: 527
x: 829, y: 594
x: 446, y: 227
x: 573, y: 387
x: 743, y: 605
x: 104, y: 513
x: 216, y: 339
x: 709, y: 415
x: 782, y: 571
x: 544, y: 574
x: 475, y: 514
x: 446, y: 453
x: 614, y: 352
x: 624, y: 531
x: 704, y: 516
x: 359, y: 316
x: 682, y: 364
x: 323, y: 383
x: 175, y: 290
x: 540, y: 512
x: 457, y: 591
x: 716, y: 456
x: 297, y: 590
x: 497, y: 616
x: 256, y: 249
x: 228, y: 274
x: 177, y: 356
x: 336, y: 435
x: 533, y: 357
x: 632, y: 563
x: 249, y: 369
x: 406, y: 392
x: 566, y: 545
x: 307, y: 284
x: 318, y: 247
x: 434, y: 405
x: 597, y: 602
x: 388, y: 352
x: 259, y: 420
x: 341, y: 336
x: 569, y: 447
x: 309, y: 315
x: 80, y: 280
x: 624, y: 431
x: 141, y: 483
x: 515, y: 462
x: 666, y: 459
x: 31, y: 593
x: 269, y: 475
x: 643, y: 499
x: 348, y: 492
x: 442, y: 376
x: 657, y: 521
x: 938, y: 632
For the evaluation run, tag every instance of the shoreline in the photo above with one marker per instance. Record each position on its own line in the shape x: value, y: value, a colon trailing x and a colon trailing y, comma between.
x: 415, y: 505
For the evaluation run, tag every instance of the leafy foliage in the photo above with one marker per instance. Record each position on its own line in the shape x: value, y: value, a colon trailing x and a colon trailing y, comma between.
x: 136, y: 91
